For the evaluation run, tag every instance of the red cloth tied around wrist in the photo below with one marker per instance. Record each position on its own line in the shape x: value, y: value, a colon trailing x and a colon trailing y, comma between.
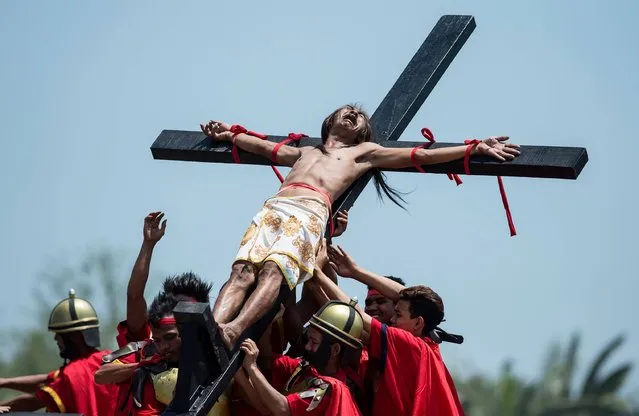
x: 167, y: 320
x: 431, y: 139
x: 469, y: 148
x: 502, y: 191
x: 237, y: 129
x: 292, y: 137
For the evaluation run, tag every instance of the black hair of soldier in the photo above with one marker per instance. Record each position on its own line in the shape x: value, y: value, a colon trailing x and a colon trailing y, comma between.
x: 186, y: 284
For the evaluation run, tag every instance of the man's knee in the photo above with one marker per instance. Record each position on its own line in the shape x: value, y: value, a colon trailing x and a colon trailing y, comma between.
x: 243, y: 275
x: 270, y: 270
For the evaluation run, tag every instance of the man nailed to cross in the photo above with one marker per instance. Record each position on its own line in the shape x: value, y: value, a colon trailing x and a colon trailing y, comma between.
x: 280, y: 244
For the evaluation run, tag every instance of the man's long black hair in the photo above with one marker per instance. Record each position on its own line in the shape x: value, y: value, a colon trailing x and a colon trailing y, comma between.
x: 364, y: 135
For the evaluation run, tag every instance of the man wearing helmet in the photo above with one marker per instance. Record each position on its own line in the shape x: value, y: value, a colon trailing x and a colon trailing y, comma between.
x: 315, y: 384
x: 71, y: 389
x: 414, y: 379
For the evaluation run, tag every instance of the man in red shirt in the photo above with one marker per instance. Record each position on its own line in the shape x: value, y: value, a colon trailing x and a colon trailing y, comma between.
x: 414, y: 379
x: 315, y: 385
x: 71, y: 389
x: 134, y: 333
x: 154, y: 379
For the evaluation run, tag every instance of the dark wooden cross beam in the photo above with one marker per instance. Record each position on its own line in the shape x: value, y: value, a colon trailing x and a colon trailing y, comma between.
x: 198, y: 389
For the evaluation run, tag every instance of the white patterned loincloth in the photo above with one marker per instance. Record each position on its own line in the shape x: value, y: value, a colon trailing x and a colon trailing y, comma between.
x: 286, y: 231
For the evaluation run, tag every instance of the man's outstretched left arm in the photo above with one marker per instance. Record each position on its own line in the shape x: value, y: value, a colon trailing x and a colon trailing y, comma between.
x: 396, y: 158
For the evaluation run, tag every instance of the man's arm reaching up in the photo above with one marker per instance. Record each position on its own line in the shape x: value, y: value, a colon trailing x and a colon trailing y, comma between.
x: 221, y: 132
x: 345, y: 266
x: 275, y: 403
x: 333, y: 291
x: 136, y: 313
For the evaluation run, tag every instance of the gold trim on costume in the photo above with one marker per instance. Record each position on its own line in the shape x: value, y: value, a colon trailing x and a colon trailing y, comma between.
x: 250, y: 232
x: 55, y: 397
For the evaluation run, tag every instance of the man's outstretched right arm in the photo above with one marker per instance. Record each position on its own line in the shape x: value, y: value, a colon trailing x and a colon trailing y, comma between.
x: 221, y: 132
x: 25, y: 384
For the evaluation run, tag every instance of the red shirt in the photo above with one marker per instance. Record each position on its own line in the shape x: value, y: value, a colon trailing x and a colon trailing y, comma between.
x: 337, y: 401
x: 277, y: 341
x: 74, y: 391
x: 415, y: 380
x: 124, y: 397
x: 124, y: 336
x: 151, y: 406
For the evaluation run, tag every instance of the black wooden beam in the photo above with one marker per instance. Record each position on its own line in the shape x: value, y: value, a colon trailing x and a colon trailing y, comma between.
x: 412, y: 88
x: 203, y: 359
x: 206, y: 369
x: 534, y: 161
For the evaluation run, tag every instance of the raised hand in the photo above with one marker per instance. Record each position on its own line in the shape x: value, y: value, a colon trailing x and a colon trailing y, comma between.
x: 152, y: 230
x: 495, y: 147
x: 250, y: 353
x: 341, y: 262
x: 341, y: 223
x: 218, y: 130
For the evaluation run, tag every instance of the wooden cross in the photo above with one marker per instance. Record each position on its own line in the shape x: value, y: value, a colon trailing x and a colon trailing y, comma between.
x: 389, y: 121
x: 391, y: 118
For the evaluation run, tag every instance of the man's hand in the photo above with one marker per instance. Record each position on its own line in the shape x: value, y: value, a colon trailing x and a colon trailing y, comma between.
x: 321, y: 257
x: 5, y: 409
x: 218, y: 130
x: 341, y: 223
x: 495, y: 147
x: 341, y: 262
x: 152, y: 230
x: 250, y: 354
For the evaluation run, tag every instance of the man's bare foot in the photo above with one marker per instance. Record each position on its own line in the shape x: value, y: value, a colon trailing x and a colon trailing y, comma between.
x: 229, y: 335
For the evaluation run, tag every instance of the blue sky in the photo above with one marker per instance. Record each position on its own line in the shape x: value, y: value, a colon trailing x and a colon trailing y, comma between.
x: 86, y: 87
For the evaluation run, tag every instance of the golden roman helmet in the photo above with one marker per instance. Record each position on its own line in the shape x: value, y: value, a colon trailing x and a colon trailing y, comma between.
x: 72, y: 314
x: 341, y: 321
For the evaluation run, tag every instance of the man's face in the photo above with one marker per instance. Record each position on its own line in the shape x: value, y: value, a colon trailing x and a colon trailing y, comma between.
x: 168, y: 342
x: 349, y: 122
x: 60, y: 342
x: 313, y: 339
x: 379, y: 307
x: 70, y: 344
x: 401, y: 319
